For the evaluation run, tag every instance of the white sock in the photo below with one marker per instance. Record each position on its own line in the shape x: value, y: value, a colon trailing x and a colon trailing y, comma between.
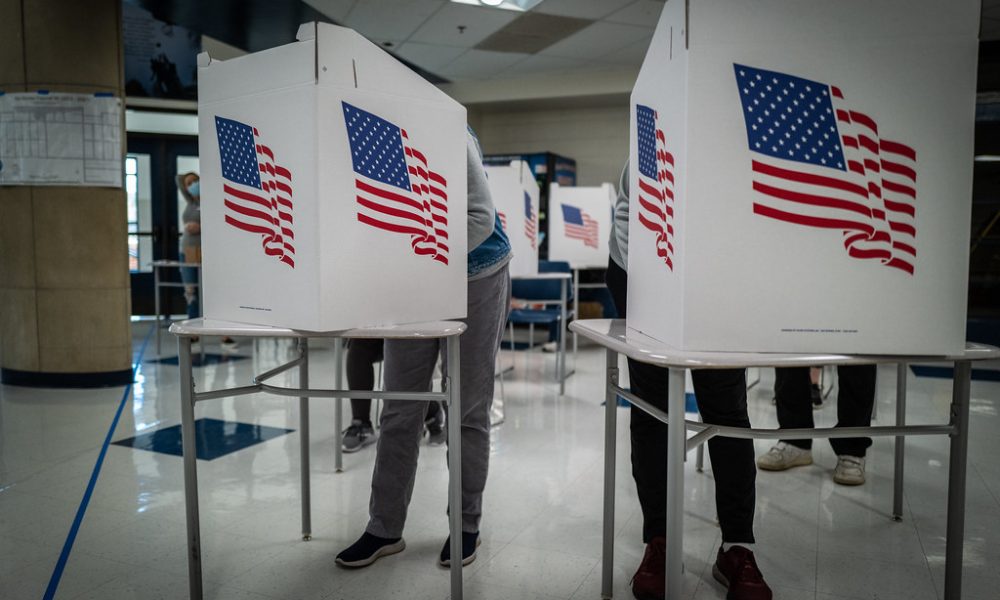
x: 727, y: 545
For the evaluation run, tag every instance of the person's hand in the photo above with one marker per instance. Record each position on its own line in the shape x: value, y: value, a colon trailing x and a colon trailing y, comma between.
x: 192, y: 228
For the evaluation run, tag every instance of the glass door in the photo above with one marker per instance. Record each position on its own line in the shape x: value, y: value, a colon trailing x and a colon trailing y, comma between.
x: 154, y: 212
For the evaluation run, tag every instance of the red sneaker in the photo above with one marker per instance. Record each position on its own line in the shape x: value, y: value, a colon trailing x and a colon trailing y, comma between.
x: 737, y: 570
x: 648, y: 583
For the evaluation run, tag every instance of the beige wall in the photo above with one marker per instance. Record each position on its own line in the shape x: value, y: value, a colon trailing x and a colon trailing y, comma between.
x: 596, y: 136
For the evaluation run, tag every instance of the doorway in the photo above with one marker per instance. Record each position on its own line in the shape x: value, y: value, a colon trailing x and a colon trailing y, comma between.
x: 154, y: 211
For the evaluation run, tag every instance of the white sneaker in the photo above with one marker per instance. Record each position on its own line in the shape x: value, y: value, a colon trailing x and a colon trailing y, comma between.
x: 850, y: 470
x: 784, y: 456
x: 550, y: 347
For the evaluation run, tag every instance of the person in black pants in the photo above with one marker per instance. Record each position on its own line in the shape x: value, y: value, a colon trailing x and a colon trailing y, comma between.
x: 855, y: 400
x: 362, y: 354
x: 722, y: 400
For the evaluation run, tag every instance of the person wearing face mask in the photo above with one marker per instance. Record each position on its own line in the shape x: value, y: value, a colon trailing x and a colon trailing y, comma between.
x: 189, y: 185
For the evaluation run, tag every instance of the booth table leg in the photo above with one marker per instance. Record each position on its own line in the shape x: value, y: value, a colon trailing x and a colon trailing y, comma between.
x: 189, y: 446
x: 676, y: 449
x: 900, y: 449
x: 561, y: 368
x: 338, y: 418
x: 956, y: 480
x: 454, y: 422
x: 304, y: 475
x: 156, y: 303
x: 610, y: 439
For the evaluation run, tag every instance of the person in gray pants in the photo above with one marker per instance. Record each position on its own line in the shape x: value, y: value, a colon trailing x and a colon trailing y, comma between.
x: 409, y: 367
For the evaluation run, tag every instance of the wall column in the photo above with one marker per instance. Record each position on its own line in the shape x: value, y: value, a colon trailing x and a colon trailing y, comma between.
x: 64, y: 279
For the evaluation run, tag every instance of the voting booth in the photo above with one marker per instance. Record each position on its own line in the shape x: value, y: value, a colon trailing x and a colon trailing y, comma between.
x: 801, y: 176
x: 515, y: 195
x: 333, y: 183
x: 579, y: 222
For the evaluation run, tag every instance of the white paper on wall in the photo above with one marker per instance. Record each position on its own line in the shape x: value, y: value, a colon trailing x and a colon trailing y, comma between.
x: 515, y: 195
x: 333, y: 189
x: 579, y: 223
x: 60, y: 139
x: 793, y: 194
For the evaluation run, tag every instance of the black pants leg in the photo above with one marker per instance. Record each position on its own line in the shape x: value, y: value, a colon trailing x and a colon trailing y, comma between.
x: 721, y: 398
x: 855, y: 401
x: 362, y: 355
x: 794, y: 404
x: 854, y: 404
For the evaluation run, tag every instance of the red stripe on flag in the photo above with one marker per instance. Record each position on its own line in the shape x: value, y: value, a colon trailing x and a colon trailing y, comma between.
x: 809, y: 221
x: 811, y: 199
x: 809, y: 178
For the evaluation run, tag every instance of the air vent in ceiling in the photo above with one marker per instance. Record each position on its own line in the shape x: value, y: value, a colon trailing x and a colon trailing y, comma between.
x: 532, y: 32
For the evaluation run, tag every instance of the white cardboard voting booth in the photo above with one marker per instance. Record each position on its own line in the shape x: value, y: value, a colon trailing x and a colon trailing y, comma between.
x: 579, y: 221
x: 515, y: 195
x: 333, y: 184
x: 801, y: 176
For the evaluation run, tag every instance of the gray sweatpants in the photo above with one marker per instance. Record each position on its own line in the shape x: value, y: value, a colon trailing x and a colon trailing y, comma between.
x: 409, y: 367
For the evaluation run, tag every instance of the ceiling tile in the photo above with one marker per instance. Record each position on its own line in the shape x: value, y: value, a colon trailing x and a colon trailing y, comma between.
x: 479, y: 64
x: 632, y: 55
x: 429, y: 56
x: 597, y: 41
x: 645, y: 13
x: 335, y: 9
x: 544, y: 64
x: 581, y: 9
x: 390, y: 19
x: 478, y: 23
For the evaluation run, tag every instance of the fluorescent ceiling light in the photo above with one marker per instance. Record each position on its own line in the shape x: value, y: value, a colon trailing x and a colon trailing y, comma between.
x: 987, y: 158
x: 515, y: 5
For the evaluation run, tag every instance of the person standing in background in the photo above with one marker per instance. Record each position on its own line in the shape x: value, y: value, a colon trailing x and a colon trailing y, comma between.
x: 189, y: 185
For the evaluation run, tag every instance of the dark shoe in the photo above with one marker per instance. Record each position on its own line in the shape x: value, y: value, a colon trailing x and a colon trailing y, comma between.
x: 648, y: 583
x: 816, y: 395
x: 436, y: 435
x: 368, y: 549
x: 357, y: 436
x: 737, y: 570
x: 470, y: 541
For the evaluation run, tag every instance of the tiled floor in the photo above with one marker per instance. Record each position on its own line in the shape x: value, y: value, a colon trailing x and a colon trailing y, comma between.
x: 542, y: 523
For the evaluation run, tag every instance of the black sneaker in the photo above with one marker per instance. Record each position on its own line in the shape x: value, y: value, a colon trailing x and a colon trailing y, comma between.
x: 368, y: 549
x: 436, y: 434
x: 357, y: 436
x: 816, y: 395
x: 470, y: 542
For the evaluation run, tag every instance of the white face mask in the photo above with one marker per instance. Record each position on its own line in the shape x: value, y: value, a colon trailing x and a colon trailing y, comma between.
x: 195, y: 189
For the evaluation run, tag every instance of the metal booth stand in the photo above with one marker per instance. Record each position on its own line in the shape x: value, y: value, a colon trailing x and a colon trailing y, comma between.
x: 185, y: 330
x: 611, y: 334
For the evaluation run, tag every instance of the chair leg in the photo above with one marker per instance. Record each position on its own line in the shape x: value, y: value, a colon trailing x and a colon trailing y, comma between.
x: 531, y: 336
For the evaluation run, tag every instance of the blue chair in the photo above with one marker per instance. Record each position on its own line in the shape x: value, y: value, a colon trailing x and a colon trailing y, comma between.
x: 545, y: 292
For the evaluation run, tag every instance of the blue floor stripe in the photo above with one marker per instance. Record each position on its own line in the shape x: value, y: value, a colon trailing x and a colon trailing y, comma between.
x: 50, y: 591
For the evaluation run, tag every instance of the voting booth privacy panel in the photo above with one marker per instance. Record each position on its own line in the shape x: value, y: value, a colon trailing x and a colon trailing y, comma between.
x: 579, y: 223
x: 515, y: 195
x: 801, y: 176
x: 333, y: 187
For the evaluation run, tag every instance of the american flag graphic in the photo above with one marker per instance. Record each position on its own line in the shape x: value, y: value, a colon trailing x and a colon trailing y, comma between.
x: 818, y: 163
x: 396, y: 189
x: 503, y: 219
x: 530, y: 224
x: 656, y: 182
x: 257, y: 191
x: 579, y: 225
